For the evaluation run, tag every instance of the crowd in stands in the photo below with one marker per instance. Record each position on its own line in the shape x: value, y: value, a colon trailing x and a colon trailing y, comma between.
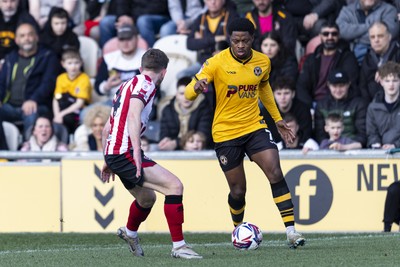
x: 335, y: 69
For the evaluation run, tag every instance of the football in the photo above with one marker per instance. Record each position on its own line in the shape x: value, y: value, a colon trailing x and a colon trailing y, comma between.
x: 246, y: 236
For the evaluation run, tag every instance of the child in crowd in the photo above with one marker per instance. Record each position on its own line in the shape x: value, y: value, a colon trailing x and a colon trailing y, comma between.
x: 72, y: 92
x: 309, y: 144
x: 334, y: 127
x: 56, y: 34
x: 193, y: 141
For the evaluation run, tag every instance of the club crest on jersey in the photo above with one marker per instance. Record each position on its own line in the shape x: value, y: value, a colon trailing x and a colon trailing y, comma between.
x: 257, y: 71
x: 223, y: 159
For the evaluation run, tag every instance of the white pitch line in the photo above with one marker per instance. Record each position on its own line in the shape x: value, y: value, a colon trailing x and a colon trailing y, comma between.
x: 275, y: 243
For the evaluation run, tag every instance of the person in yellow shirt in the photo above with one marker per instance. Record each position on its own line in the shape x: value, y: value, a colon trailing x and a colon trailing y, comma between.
x: 240, y: 78
x: 72, y: 92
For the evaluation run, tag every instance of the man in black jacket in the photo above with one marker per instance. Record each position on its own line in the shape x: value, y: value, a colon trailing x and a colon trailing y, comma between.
x: 332, y: 53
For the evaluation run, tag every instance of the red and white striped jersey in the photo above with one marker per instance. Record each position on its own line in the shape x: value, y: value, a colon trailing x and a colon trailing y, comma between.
x: 141, y: 87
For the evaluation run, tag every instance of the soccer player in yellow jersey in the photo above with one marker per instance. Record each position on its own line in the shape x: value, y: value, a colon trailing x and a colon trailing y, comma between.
x: 240, y: 76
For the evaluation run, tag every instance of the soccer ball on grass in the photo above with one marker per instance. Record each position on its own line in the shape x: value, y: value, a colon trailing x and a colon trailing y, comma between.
x: 246, y: 236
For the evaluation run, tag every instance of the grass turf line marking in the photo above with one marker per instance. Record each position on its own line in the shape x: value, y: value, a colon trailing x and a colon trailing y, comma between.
x: 275, y: 243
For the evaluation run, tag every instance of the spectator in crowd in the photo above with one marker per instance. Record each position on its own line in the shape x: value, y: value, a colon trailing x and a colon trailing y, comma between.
x: 144, y: 143
x: 391, y: 212
x: 243, y: 6
x: 182, y: 115
x: 120, y: 65
x: 267, y: 17
x: 307, y: 145
x: 284, y: 93
x: 88, y: 136
x: 283, y: 63
x: 343, y: 101
x: 336, y: 141
x: 355, y: 19
x: 183, y: 13
x: 207, y: 30
x: 56, y: 35
x: 151, y: 17
x: 383, y: 49
x: 27, y: 79
x: 11, y: 15
x: 40, y: 10
x: 72, y: 92
x: 97, y: 10
x: 332, y: 53
x: 309, y: 15
x: 43, y: 138
x: 193, y: 141
x: 383, y: 120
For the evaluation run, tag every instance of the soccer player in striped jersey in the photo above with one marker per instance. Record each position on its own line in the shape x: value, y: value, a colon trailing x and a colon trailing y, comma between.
x: 124, y: 157
x: 240, y: 77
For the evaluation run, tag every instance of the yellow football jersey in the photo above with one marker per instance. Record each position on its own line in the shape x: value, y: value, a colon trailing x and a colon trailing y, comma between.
x: 238, y: 87
x: 80, y: 87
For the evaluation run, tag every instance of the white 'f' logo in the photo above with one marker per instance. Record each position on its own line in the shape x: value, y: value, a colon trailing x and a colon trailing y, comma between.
x: 305, y: 191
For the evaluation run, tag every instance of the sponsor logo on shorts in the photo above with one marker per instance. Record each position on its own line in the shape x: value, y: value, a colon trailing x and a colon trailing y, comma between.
x: 223, y: 159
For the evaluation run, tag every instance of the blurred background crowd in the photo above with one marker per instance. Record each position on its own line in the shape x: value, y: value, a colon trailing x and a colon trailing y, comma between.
x: 335, y: 69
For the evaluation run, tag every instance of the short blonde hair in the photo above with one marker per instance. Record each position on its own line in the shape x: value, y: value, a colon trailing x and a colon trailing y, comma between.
x: 100, y: 111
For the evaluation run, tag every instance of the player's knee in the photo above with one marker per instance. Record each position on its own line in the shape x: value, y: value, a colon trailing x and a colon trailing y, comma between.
x: 147, y: 200
x: 238, y: 192
x: 176, y: 187
x: 275, y: 175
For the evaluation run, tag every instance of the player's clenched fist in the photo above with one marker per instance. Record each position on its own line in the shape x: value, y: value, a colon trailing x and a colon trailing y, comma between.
x: 201, y: 86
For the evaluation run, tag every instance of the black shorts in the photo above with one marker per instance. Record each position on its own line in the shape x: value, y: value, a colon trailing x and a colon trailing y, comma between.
x: 231, y: 153
x: 124, y: 166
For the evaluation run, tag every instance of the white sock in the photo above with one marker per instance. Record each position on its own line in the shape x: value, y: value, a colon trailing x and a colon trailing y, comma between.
x: 178, y: 244
x: 130, y: 233
x: 290, y: 229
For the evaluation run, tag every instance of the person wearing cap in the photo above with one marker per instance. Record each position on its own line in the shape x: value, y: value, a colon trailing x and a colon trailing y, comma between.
x: 332, y: 53
x: 120, y: 65
x: 342, y: 100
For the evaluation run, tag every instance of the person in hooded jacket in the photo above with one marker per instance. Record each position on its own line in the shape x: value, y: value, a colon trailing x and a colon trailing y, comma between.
x: 56, y: 34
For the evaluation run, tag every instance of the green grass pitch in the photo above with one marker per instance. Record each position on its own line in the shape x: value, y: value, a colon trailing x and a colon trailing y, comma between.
x: 321, y: 249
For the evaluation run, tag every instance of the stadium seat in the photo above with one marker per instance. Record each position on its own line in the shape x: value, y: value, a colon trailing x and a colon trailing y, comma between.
x: 12, y: 135
x: 180, y: 58
x: 90, y: 53
x: 153, y: 131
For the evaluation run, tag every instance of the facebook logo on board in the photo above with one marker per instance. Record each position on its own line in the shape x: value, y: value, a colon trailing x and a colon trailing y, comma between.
x: 312, y: 193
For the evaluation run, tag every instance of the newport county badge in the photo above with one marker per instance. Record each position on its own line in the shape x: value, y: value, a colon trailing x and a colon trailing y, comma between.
x: 223, y: 160
x: 257, y: 71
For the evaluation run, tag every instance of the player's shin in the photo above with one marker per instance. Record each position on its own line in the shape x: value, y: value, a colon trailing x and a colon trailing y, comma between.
x: 283, y: 200
x: 236, y: 208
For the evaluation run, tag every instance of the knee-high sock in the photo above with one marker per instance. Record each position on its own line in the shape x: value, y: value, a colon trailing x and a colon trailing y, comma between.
x: 173, y: 210
x: 283, y: 200
x: 236, y: 209
x: 137, y: 215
